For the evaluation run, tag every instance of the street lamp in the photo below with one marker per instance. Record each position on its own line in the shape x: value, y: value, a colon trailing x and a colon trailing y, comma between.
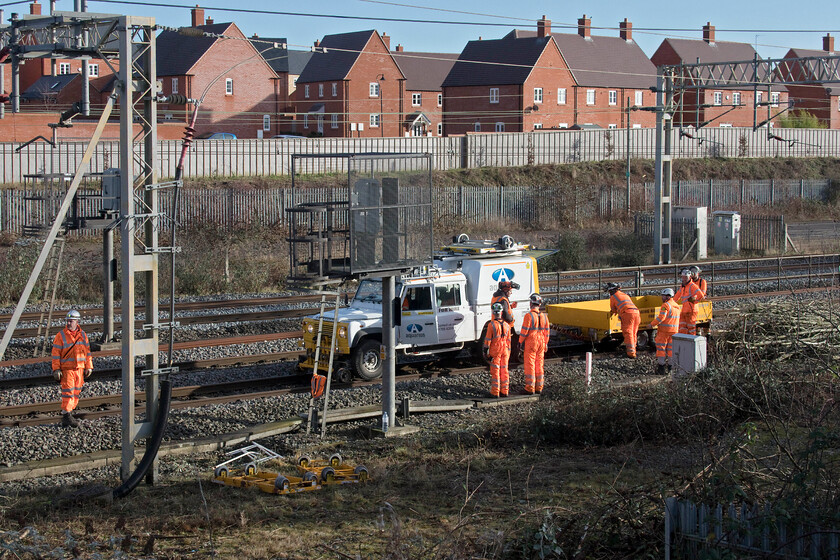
x: 381, y: 78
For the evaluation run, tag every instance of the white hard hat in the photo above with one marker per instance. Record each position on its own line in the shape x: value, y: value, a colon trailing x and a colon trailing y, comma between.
x: 685, y: 272
x: 73, y: 314
x: 497, y: 308
x: 667, y: 292
x: 536, y: 299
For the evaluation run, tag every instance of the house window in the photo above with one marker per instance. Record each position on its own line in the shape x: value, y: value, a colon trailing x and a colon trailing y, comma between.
x: 538, y: 95
x: 374, y: 89
x: 416, y: 99
x: 774, y: 99
x: 228, y: 86
x: 725, y: 125
x: 306, y: 91
x: 718, y: 98
x: 563, y: 125
x: 590, y: 97
x: 320, y: 90
x: 561, y: 96
x: 758, y: 98
x: 266, y: 122
x: 638, y: 100
x: 494, y: 95
x: 537, y: 126
x: 500, y: 127
x: 63, y: 67
x: 440, y: 129
x: 335, y: 89
x: 93, y: 70
x: 613, y: 97
x: 477, y: 127
x: 174, y: 85
x: 612, y: 125
x: 736, y: 98
x: 637, y: 126
x: 305, y: 121
x: 440, y: 99
x: 374, y: 120
x: 334, y: 120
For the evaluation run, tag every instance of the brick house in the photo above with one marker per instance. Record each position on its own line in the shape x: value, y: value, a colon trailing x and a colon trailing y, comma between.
x: 234, y: 81
x: 720, y: 106
x: 821, y: 99
x: 287, y: 65
x: 351, y: 87
x: 537, y: 80
x: 424, y: 73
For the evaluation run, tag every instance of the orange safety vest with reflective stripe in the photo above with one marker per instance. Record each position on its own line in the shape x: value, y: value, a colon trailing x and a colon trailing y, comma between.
x: 622, y: 304
x: 535, y: 324
x: 497, y: 337
x: 688, y: 291
x: 71, y: 350
x: 669, y: 317
x: 701, y: 283
x: 507, y: 314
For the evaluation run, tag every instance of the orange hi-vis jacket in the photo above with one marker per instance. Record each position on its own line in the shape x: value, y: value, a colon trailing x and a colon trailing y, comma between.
x: 507, y: 314
x: 668, y: 319
x: 534, y: 328
x: 71, y: 351
x: 688, y: 291
x: 704, y: 287
x: 622, y: 304
x: 497, y: 338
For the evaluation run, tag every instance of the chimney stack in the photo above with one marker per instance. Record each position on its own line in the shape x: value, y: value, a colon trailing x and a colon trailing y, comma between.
x: 387, y: 41
x: 399, y: 48
x: 828, y: 43
x: 35, y: 8
x: 709, y: 33
x: 197, y: 16
x: 209, y: 21
x: 583, y: 27
x: 317, y: 42
x: 625, y: 30
x: 544, y: 27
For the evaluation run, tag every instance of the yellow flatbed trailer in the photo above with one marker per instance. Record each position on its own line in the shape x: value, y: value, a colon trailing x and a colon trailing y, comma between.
x: 590, y: 321
x: 332, y: 471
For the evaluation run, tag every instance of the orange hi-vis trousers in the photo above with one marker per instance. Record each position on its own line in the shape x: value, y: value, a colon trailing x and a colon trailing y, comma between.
x: 535, y: 348
x: 663, y: 345
x: 72, y: 381
x: 630, y: 328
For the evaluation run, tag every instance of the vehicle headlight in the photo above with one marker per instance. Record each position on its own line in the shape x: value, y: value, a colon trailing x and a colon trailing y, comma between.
x: 342, y: 332
x: 310, y: 328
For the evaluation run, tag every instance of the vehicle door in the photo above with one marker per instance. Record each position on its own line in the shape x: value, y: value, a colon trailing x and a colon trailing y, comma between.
x: 418, y: 326
x: 454, y: 317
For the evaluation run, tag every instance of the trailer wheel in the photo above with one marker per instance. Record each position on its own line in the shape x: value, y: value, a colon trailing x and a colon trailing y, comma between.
x: 335, y: 460
x: 304, y: 461
x: 651, y: 339
x: 362, y: 472
x: 221, y: 472
x: 251, y: 469
x: 642, y: 340
x: 310, y: 477
x: 281, y: 483
x: 327, y: 474
x: 367, y: 361
x: 344, y: 375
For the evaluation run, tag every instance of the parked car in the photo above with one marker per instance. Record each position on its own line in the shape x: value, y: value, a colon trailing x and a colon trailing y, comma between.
x: 217, y: 136
x: 286, y: 136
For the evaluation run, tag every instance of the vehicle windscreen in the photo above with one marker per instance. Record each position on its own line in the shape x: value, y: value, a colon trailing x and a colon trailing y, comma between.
x: 370, y: 291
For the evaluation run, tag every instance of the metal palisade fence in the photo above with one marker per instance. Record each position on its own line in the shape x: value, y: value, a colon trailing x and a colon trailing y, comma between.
x: 258, y: 157
x: 534, y: 206
x: 758, y: 233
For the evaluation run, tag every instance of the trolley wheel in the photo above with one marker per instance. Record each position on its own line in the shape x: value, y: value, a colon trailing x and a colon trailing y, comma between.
x: 281, y: 482
x: 362, y: 472
x: 251, y: 469
x: 310, y: 477
x: 344, y: 375
x: 304, y: 461
x: 220, y: 472
x: 327, y: 474
x: 335, y: 460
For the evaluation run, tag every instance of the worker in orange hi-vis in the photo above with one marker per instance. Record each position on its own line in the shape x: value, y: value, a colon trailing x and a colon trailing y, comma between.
x: 71, y: 364
x: 497, y: 352
x: 628, y: 314
x: 666, y: 323
x: 502, y: 295
x: 533, y: 343
x: 701, y: 282
x: 689, y: 295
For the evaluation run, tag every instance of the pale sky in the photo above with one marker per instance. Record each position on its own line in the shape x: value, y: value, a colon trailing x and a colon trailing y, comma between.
x: 771, y: 26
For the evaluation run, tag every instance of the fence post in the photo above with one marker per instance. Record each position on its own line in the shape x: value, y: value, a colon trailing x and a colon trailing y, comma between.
x: 772, y: 191
x: 671, y: 522
x: 743, y: 188
x: 801, y: 188
x: 711, y: 193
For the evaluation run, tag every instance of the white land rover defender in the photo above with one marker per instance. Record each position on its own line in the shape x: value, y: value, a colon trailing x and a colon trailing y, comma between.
x: 444, y: 307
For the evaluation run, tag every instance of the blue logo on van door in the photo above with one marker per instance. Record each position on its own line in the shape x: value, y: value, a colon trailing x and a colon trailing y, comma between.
x: 414, y: 328
x: 503, y: 275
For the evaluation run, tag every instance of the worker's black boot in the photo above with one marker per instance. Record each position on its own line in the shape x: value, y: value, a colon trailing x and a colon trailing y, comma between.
x: 68, y: 421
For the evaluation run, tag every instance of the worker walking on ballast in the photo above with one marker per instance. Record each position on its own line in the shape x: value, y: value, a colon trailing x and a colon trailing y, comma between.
x: 497, y: 352
x: 71, y: 364
x: 689, y: 295
x: 628, y: 314
x: 666, y: 324
x: 533, y: 343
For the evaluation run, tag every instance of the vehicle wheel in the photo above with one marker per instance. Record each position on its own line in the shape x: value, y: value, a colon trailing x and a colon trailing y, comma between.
x: 642, y: 340
x: 281, y: 482
x: 335, y: 460
x: 362, y: 472
x: 251, y: 469
x: 310, y: 477
x: 327, y: 474
x: 651, y: 339
x: 221, y: 472
x: 366, y: 360
x: 344, y: 375
x: 304, y: 461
